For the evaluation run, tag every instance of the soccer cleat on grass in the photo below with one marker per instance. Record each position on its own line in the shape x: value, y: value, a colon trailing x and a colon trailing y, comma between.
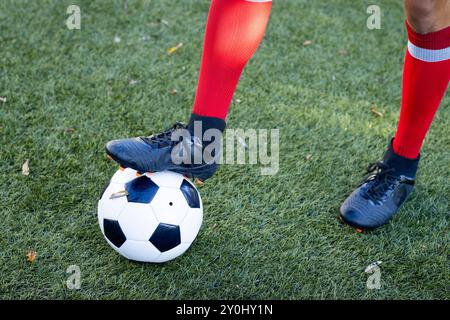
x: 387, y: 185
x: 163, y: 151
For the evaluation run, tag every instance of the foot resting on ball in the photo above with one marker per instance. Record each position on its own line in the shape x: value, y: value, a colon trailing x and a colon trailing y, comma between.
x: 383, y: 191
x: 179, y: 149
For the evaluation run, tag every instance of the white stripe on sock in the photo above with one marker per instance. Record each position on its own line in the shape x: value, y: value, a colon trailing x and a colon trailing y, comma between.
x: 428, y: 55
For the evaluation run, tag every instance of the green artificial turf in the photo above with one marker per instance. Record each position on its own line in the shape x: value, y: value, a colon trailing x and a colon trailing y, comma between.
x: 68, y: 92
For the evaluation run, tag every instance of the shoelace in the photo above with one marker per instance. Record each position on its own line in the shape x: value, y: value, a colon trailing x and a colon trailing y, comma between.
x: 382, y: 178
x: 163, y: 139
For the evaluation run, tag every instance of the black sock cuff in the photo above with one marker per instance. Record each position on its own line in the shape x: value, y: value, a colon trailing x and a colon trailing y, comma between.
x: 402, y: 165
x: 207, y: 123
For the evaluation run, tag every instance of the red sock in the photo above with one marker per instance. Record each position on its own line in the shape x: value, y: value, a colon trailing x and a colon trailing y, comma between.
x: 233, y: 32
x: 425, y: 79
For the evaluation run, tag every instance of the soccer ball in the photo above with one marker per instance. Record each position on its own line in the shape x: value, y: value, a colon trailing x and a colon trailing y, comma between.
x: 153, y: 217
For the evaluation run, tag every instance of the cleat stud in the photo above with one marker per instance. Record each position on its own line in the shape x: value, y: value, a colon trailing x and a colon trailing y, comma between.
x: 199, y: 182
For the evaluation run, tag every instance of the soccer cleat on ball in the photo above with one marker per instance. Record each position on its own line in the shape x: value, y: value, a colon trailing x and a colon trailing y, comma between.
x: 387, y: 185
x: 163, y: 151
x: 151, y: 217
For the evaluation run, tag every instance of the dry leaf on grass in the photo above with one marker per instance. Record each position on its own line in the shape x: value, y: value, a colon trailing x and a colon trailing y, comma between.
x: 26, y: 168
x: 307, y: 43
x: 119, y: 194
x: 308, y: 157
x: 175, y: 48
x: 31, y: 256
x: 3, y: 99
x: 173, y: 91
x: 343, y: 52
x: 373, y: 109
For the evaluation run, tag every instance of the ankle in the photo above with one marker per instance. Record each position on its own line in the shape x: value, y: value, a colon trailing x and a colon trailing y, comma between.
x: 402, y: 165
x: 204, y: 127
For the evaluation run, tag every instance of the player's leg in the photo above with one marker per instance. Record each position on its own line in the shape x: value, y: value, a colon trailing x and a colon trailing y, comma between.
x: 426, y: 76
x: 426, y: 72
x: 233, y: 32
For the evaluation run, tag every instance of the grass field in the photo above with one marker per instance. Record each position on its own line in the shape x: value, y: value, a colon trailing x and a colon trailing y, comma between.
x: 68, y: 92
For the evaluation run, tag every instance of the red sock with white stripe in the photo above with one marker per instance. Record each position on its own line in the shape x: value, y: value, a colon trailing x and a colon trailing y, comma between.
x: 233, y: 33
x: 426, y: 76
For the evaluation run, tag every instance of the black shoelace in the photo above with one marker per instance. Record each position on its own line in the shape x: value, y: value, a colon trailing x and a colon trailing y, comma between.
x: 163, y: 139
x: 382, y: 178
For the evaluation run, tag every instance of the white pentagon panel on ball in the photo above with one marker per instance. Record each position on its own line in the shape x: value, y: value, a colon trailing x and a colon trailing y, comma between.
x: 124, y: 175
x: 138, y: 221
x: 173, y: 253
x: 169, y: 205
x: 166, y: 178
x: 142, y: 251
x: 190, y: 225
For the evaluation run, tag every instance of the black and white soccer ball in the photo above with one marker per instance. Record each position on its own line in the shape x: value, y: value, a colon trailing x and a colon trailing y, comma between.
x: 152, y: 217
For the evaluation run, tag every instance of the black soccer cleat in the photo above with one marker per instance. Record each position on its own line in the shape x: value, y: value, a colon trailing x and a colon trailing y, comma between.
x: 385, y: 188
x: 166, y: 151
